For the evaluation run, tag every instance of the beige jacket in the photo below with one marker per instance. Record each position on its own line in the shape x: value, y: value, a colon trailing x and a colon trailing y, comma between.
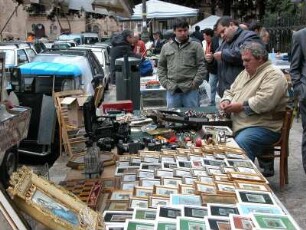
x: 266, y: 93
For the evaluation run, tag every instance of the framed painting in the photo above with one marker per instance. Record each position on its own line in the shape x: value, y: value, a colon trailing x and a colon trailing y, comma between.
x: 113, y: 217
x: 169, y: 212
x: 195, y: 211
x: 155, y: 201
x: 257, y: 197
x: 139, y: 224
x: 190, y: 223
x: 165, y: 225
x: 223, y: 210
x: 181, y: 199
x: 272, y: 221
x: 246, y: 209
x: 239, y: 222
x: 144, y: 214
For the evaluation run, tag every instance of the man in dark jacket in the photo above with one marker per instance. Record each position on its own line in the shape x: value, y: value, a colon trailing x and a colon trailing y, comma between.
x: 228, y: 54
x: 197, y: 34
x: 121, y: 45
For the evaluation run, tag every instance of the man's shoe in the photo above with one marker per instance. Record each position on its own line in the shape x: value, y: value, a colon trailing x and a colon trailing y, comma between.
x: 268, y: 172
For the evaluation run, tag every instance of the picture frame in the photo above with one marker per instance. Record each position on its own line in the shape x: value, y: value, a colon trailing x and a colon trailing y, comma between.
x: 115, y: 227
x: 204, y: 188
x: 166, y: 158
x: 217, y: 222
x: 135, y: 161
x: 49, y: 204
x: 248, y: 185
x: 151, y: 159
x: 129, y: 177
x: 139, y: 225
x: 221, y: 199
x: 144, y: 192
x: 189, y: 180
x: 119, y: 171
x: 113, y: 217
x: 184, y: 223
x: 182, y: 172
x: 237, y: 156
x: 182, y: 199
x: 247, y: 209
x: 197, y: 164
x: 246, y: 177
x: 108, y: 184
x: 222, y: 178
x: 184, y: 164
x: 169, y: 165
x: 197, y: 157
x: 118, y: 205
x: 214, y: 162
x: 223, y: 210
x: 121, y: 195
x: 196, y: 151
x: 155, y: 201
x: 273, y: 221
x: 150, y: 166
x: 240, y: 163
x: 169, y: 212
x: 195, y: 211
x: 171, y: 181
x: 212, y: 170
x: 138, y: 202
x: 227, y: 169
x: 210, y: 129
x: 183, y: 151
x: 258, y: 197
x: 247, y: 170
x: 240, y: 222
x: 144, y: 213
x: 198, y: 172
x: 225, y: 187
x: 206, y: 180
x: 161, y: 190
x: 148, y: 174
x: 186, y: 189
x: 129, y: 186
x: 165, y: 225
x: 181, y: 157
x: 144, y: 182
x: 122, y: 164
x: 160, y: 173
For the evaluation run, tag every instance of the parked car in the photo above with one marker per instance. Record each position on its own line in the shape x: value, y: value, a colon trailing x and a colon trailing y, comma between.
x: 78, y: 38
x: 90, y: 38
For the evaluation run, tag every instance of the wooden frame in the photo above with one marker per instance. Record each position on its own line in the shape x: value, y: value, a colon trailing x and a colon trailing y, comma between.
x: 149, y: 182
x: 121, y: 195
x: 138, y: 202
x: 246, y: 177
x: 166, y: 191
x: 204, y: 188
x: 141, y: 173
x: 258, y: 197
x: 154, y: 201
x: 186, y: 189
x: 248, y: 185
x: 171, y: 181
x: 144, y: 214
x: 118, y: 206
x: 223, y: 210
x: 160, y: 173
x: 142, y: 191
x: 239, y: 222
x: 129, y: 186
x: 223, y: 199
x: 225, y: 187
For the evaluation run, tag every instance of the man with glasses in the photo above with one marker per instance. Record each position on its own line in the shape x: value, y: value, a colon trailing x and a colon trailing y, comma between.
x: 256, y: 101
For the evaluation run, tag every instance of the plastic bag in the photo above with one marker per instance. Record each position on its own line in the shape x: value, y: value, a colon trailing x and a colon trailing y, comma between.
x: 145, y: 68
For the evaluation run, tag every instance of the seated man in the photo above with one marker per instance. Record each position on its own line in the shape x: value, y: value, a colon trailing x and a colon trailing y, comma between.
x: 256, y: 101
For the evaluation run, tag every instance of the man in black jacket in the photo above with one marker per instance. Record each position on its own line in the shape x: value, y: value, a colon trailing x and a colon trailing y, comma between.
x: 228, y: 54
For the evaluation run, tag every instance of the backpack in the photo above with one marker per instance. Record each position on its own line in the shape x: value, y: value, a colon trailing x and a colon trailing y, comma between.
x: 145, y: 68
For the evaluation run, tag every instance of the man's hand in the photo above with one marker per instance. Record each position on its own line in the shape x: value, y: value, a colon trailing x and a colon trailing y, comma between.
x: 209, y: 57
x: 224, y: 104
x: 234, y: 107
x: 217, y: 55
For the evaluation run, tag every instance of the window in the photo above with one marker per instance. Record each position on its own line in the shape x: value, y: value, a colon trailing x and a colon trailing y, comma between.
x: 21, y: 57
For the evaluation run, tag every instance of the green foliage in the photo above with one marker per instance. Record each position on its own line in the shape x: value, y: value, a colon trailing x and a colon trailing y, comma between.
x: 284, y: 6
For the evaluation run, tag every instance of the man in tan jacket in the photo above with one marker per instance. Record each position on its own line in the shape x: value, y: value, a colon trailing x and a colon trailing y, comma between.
x: 255, y: 101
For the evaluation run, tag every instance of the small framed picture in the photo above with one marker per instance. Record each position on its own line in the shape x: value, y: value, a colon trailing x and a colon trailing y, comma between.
x: 206, y: 180
x: 220, y: 156
x: 182, y: 199
x: 190, y: 223
x: 118, y: 206
x: 150, y: 166
x: 166, y: 158
x: 169, y: 212
x: 149, y: 182
x: 135, y: 161
x: 195, y: 158
x: 144, y: 192
x: 183, y: 151
x: 231, y: 155
x: 223, y: 178
x: 204, y: 188
x: 160, y: 173
x: 144, y: 214
x: 155, y: 201
x: 181, y: 158
x: 189, y: 180
x: 221, y: 209
x: 273, y: 221
x: 213, y: 162
x: 122, y: 164
x: 252, y: 186
x: 119, y: 171
x: 145, y: 174
x: 139, y: 224
x: 211, y: 170
x: 197, y: 151
x: 121, y: 195
x: 225, y: 187
x: 240, y: 222
x: 164, y: 190
x: 129, y: 177
x: 195, y: 211
x: 108, y: 183
x: 258, y: 197
x: 247, y: 170
x: 246, y: 177
x: 171, y: 181
x: 221, y: 199
x: 246, y: 209
x: 240, y: 163
x: 150, y: 159
x: 181, y: 172
x: 197, y: 163
x: 113, y: 217
x: 169, y: 165
x: 129, y: 185
x: 227, y: 169
x: 215, y: 129
x: 137, y: 202
x: 184, y: 164
x: 199, y: 172
x: 166, y: 224
x: 186, y: 189
x: 217, y: 222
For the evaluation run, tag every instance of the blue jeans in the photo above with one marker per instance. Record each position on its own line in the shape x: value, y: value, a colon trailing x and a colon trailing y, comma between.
x: 189, y: 99
x: 256, y: 139
x: 213, y: 81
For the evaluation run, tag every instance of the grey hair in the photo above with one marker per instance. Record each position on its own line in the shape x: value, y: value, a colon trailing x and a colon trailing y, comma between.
x: 257, y: 49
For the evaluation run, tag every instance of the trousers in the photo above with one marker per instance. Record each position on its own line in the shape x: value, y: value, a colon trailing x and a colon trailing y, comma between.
x: 254, y: 140
x: 302, y: 105
x: 213, y: 81
x: 189, y: 99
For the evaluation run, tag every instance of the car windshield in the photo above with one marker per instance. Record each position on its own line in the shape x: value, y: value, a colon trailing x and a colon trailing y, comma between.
x: 9, y: 58
x: 80, y: 61
x: 100, y: 56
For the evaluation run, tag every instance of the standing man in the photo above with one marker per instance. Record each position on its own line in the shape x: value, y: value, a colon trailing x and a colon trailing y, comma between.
x: 298, y: 78
x: 256, y: 102
x: 157, y: 43
x: 181, y: 68
x: 228, y: 54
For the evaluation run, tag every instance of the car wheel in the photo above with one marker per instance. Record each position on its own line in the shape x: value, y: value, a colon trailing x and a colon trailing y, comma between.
x: 9, y: 165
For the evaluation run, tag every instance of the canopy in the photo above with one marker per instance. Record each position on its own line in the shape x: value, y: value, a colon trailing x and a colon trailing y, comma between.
x: 159, y: 9
x: 208, y: 22
x: 50, y: 68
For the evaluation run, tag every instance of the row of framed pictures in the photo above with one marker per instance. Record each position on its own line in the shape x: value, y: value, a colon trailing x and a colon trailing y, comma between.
x: 254, y: 209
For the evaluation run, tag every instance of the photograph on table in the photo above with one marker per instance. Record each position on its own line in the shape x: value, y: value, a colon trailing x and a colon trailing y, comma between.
x: 210, y: 129
x: 138, y: 202
x: 160, y: 173
x: 149, y: 182
x: 217, y: 222
x: 222, y: 178
x: 135, y: 161
x: 190, y: 223
x: 142, y: 191
x: 246, y: 177
x: 206, y: 179
x: 227, y: 169
x: 166, y: 158
x: 139, y: 225
x: 223, y: 210
x: 113, y: 217
x: 247, y: 170
x: 169, y: 165
x: 184, y: 164
x: 195, y: 211
x: 161, y: 190
x: 171, y: 181
x: 145, y: 174
x: 129, y: 177
x: 121, y: 195
x: 204, y: 188
x: 198, y: 172
x: 239, y: 156
x: 129, y: 185
x: 240, y: 222
x: 240, y: 163
x: 189, y: 180
x: 259, y: 197
x: 169, y: 212
x: 155, y: 201
x: 150, y: 159
x: 208, y: 162
x: 273, y: 221
x: 221, y: 199
x: 150, y: 166
x: 186, y: 189
x: 225, y: 187
x: 166, y: 224
x: 252, y: 186
x: 144, y: 213
x: 182, y: 199
x: 246, y: 209
x: 213, y: 170
x: 182, y: 172
x: 119, y: 171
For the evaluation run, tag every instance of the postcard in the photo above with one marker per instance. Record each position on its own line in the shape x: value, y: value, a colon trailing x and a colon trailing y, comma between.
x: 184, y: 223
x: 144, y: 214
x: 215, y: 209
x: 259, y: 197
x: 180, y: 199
x: 246, y: 209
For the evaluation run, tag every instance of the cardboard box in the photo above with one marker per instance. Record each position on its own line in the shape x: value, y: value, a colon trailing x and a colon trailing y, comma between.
x: 124, y: 105
x: 75, y: 109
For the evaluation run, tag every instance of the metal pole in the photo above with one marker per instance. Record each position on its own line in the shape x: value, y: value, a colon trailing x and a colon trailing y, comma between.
x: 8, y: 20
x: 145, y: 33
